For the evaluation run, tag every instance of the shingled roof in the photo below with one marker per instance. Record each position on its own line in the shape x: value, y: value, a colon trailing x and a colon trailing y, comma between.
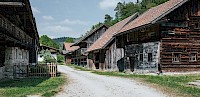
x: 107, y: 37
x: 88, y: 34
x: 69, y: 48
x: 153, y: 15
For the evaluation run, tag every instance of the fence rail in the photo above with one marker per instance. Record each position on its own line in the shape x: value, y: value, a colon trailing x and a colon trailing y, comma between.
x: 40, y: 70
x: 48, y: 70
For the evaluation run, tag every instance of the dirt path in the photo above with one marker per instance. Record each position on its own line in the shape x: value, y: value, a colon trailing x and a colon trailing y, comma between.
x: 86, y: 84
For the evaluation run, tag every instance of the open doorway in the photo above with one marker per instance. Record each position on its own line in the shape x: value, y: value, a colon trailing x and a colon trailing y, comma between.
x: 97, y: 60
x: 132, y: 61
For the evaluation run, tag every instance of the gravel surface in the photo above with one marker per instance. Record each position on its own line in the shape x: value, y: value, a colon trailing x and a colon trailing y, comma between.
x: 86, y: 84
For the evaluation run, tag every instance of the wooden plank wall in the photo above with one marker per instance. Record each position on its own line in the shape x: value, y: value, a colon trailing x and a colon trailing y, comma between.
x: 183, y: 42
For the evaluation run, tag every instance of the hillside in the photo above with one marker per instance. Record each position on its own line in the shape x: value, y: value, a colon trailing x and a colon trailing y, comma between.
x: 61, y: 40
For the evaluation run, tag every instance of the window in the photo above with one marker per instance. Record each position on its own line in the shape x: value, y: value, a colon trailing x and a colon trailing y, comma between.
x: 193, y: 57
x: 141, y: 57
x: 16, y: 54
x: 150, y: 57
x: 176, y: 57
x: 22, y: 55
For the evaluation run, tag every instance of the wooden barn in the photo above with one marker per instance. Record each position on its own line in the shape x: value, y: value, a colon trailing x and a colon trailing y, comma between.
x: 80, y: 56
x: 19, y: 38
x: 104, y: 53
x: 68, y: 49
x: 165, y: 37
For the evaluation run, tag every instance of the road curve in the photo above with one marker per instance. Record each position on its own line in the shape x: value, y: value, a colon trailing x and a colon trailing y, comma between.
x: 86, y: 84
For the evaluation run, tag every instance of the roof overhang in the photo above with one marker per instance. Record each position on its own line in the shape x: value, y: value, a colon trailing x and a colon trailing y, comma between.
x: 12, y: 4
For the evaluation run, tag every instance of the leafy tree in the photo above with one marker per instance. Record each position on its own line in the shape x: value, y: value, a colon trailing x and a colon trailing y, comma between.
x: 69, y: 40
x: 108, y: 20
x: 60, y: 58
x: 48, y: 58
x: 96, y: 26
x: 45, y: 40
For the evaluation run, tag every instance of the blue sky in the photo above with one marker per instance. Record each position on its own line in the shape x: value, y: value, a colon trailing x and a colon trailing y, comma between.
x: 70, y: 18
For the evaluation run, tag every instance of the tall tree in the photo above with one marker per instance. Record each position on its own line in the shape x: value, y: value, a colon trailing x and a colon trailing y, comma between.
x: 108, y: 20
x: 118, y: 10
x: 45, y: 40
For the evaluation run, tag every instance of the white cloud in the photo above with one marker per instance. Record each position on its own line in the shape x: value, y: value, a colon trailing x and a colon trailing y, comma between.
x: 48, y: 17
x: 55, y: 29
x: 35, y: 10
x: 106, y: 4
x: 73, y: 22
x: 61, y: 28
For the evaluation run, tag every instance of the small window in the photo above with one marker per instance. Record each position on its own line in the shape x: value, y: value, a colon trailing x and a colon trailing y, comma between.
x: 176, y: 57
x: 193, y: 57
x: 150, y: 57
x: 141, y: 57
x: 16, y: 54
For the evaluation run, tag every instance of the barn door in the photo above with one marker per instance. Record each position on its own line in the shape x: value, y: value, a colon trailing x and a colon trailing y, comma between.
x: 132, y: 65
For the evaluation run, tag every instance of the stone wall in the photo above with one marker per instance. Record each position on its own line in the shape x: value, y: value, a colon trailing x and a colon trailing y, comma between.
x: 2, y: 69
x: 15, y: 56
x: 138, y: 56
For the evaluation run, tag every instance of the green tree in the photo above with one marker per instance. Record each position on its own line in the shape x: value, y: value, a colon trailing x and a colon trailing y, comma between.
x: 96, y: 26
x: 60, y: 58
x: 45, y: 40
x: 118, y: 9
x: 69, y: 40
x: 108, y: 20
x: 48, y: 58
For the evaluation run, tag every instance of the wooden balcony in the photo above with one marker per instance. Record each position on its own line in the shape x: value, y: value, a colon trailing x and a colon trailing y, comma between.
x: 11, y: 30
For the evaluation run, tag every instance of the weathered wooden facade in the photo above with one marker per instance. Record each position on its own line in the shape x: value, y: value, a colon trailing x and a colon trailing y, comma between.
x: 80, y: 56
x: 165, y: 37
x: 68, y: 50
x: 103, y: 52
x: 19, y: 38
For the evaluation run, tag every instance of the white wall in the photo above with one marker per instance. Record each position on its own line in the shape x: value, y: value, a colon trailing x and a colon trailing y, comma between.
x: 113, y: 55
x: 41, y: 58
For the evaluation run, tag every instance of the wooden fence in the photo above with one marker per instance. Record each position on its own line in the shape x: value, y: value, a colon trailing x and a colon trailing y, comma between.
x: 40, y: 70
x: 43, y: 70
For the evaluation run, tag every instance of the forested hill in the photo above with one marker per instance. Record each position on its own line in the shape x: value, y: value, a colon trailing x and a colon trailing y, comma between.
x: 45, y: 40
x: 124, y: 10
x: 61, y: 40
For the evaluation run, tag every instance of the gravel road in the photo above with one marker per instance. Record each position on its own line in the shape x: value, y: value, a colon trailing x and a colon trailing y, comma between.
x: 86, y: 84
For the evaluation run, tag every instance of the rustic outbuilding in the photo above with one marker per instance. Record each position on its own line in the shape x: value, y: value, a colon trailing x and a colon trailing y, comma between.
x: 80, y: 56
x: 166, y: 37
x: 68, y: 49
x: 103, y: 52
x: 19, y: 38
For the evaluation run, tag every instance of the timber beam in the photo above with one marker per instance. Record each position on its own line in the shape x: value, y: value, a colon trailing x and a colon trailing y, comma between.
x: 12, y: 4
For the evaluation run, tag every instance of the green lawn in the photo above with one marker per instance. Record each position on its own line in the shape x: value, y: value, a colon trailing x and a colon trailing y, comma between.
x: 46, y: 87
